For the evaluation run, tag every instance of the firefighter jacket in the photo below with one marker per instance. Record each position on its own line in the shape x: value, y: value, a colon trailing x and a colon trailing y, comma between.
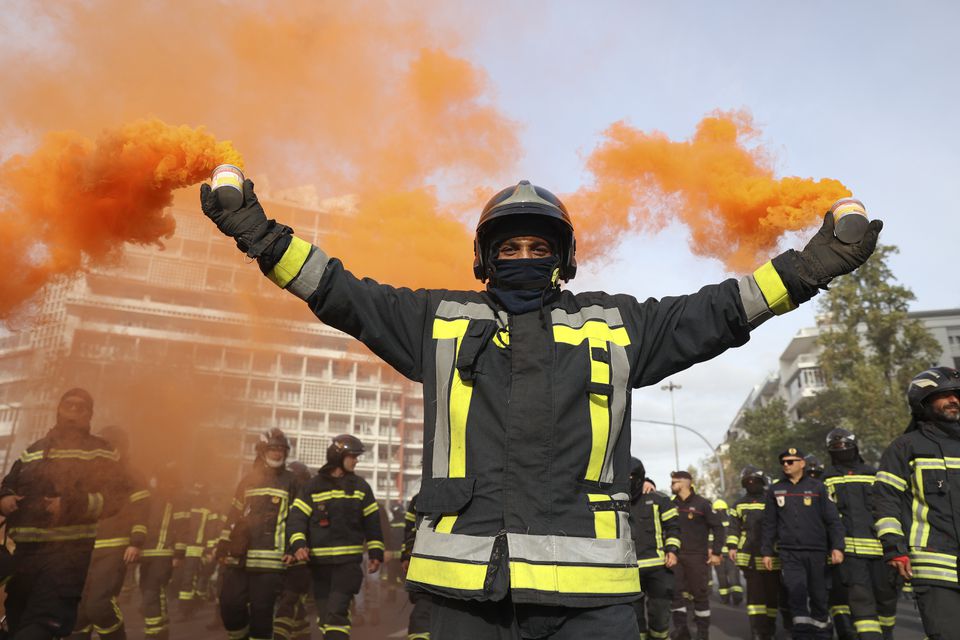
x: 257, y: 524
x: 655, y: 528
x: 850, y: 486
x: 334, y: 517
x: 196, y: 524
x: 129, y: 526
x: 745, y: 532
x: 800, y: 516
x: 526, y: 425
x: 163, y: 530
x: 409, y: 529
x: 81, y: 469
x: 698, y: 521
x: 915, y: 502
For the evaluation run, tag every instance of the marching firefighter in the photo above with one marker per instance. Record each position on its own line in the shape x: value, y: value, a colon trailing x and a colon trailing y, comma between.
x: 119, y: 543
x: 252, y: 545
x: 656, y: 537
x: 194, y: 526
x: 869, y: 584
x: 916, y: 514
x: 159, y: 553
x: 697, y: 555
x: 743, y: 540
x: 802, y: 523
x: 335, y: 514
x: 728, y: 576
x: 418, y: 626
x: 814, y: 468
x: 527, y: 401
x: 290, y: 619
x: 52, y: 498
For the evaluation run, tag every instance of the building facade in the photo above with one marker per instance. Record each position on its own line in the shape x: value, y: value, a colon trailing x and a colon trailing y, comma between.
x: 195, y: 333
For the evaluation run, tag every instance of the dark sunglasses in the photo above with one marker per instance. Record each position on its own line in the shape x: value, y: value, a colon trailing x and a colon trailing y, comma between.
x: 788, y: 462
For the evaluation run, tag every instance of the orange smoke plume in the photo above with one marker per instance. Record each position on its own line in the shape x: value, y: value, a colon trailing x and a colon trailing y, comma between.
x: 73, y: 202
x: 723, y: 190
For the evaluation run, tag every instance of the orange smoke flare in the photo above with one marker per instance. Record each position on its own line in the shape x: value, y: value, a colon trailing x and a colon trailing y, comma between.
x: 716, y: 185
x: 75, y: 201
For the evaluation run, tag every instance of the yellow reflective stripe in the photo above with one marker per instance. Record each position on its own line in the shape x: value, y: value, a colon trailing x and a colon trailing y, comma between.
x: 447, y: 573
x: 409, y: 516
x: 894, y: 481
x: 137, y: 496
x: 932, y: 573
x: 672, y: 542
x: 604, y: 522
x: 194, y: 552
x: 936, y: 463
x: 323, y: 552
x: 733, y: 540
x: 888, y: 621
x: 864, y: 546
x: 932, y: 557
x: 290, y: 264
x: 375, y: 544
x: 461, y: 392
x: 139, y: 528
x: 774, y: 292
x: 28, y: 456
x: 298, y: 537
x: 78, y: 454
x: 839, y: 610
x: 157, y: 553
x: 266, y: 491
x: 599, y: 411
x: 337, y: 493
x: 370, y: 508
x: 646, y: 563
x: 919, y: 528
x: 669, y: 514
x: 574, y: 579
x: 867, y: 479
x: 591, y: 329
x: 327, y: 628
x: 756, y: 609
x: 303, y: 506
x: 445, y: 523
x: 658, y: 531
x: 888, y: 525
x: 867, y: 626
x: 53, y: 534
x: 111, y: 543
x: 94, y: 505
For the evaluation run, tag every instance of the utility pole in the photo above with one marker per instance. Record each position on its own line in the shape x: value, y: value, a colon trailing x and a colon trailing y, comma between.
x: 673, y: 413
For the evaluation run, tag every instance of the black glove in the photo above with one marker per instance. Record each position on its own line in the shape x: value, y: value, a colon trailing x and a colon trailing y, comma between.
x: 824, y: 258
x: 248, y: 225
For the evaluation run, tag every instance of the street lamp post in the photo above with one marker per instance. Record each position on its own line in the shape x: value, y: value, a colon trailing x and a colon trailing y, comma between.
x: 713, y: 450
x: 673, y: 416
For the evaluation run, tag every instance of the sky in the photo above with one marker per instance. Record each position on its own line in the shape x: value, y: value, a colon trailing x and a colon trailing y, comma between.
x: 861, y: 91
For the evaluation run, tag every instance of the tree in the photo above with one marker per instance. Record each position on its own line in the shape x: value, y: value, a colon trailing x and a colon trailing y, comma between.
x: 871, y: 350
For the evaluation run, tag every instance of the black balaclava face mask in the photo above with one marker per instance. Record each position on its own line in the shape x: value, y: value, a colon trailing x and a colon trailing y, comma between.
x: 846, y: 456
x: 525, y: 284
x: 754, y: 487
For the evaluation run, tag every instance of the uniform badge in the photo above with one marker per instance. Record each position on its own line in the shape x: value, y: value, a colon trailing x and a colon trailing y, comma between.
x: 792, y: 451
x: 781, y: 500
x: 275, y: 500
x: 807, y: 501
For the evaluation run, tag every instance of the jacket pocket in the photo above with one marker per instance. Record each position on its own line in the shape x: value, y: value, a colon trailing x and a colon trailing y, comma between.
x: 443, y: 499
x: 611, y: 515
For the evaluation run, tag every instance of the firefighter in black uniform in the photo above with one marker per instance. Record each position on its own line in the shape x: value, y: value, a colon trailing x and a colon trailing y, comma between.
x: 418, y: 626
x: 917, y: 515
x: 728, y: 576
x: 697, y: 555
x: 194, y: 526
x: 290, y: 620
x: 814, y: 468
x: 329, y: 523
x: 869, y: 584
x: 743, y: 540
x: 656, y: 536
x: 52, y: 498
x: 802, y: 523
x: 252, y: 544
x: 521, y: 380
x: 159, y: 554
x: 119, y: 544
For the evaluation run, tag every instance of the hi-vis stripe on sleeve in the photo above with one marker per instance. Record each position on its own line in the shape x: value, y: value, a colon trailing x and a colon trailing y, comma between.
x: 370, y: 508
x: 894, y: 481
x: 764, y: 295
x: 300, y: 269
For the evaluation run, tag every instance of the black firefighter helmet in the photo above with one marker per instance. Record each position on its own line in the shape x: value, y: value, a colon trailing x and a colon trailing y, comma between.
x: 273, y: 437
x: 840, y: 439
x: 750, y: 473
x: 814, y: 466
x: 342, y: 445
x: 529, y: 207
x: 928, y: 383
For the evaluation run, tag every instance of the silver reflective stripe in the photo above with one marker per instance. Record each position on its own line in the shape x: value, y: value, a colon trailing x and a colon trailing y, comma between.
x: 811, y: 621
x: 619, y: 378
x: 611, y: 316
x: 702, y: 613
x: 571, y: 550
x: 754, y: 304
x: 450, y: 310
x: 454, y: 546
x: 446, y: 352
x: 307, y: 281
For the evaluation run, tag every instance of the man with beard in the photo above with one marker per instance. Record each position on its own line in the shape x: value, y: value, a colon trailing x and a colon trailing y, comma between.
x: 656, y: 536
x: 915, y: 505
x: 526, y: 392
x: 52, y: 498
x: 252, y: 544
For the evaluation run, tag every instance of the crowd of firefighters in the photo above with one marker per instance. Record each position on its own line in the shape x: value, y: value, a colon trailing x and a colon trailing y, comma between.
x: 821, y: 542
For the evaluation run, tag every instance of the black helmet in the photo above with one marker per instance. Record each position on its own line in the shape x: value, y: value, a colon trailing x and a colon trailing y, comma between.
x: 344, y: 444
x: 272, y: 438
x: 814, y: 466
x: 841, y: 440
x: 749, y: 473
x: 637, y: 469
x: 528, y: 200
x: 928, y: 383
